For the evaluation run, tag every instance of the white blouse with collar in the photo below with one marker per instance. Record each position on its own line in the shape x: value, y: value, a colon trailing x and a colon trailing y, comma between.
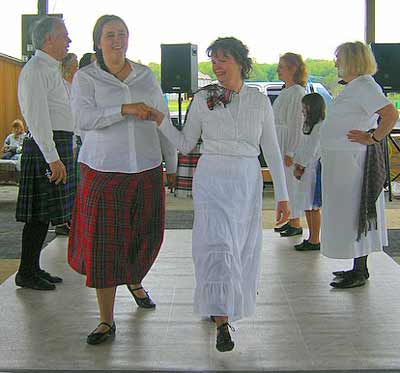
x: 113, y: 142
x: 237, y: 130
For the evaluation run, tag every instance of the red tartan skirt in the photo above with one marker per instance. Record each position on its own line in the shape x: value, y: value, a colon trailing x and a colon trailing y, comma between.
x: 117, y: 226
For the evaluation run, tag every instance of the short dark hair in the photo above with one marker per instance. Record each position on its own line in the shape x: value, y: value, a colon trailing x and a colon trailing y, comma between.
x: 235, y: 48
x: 98, y: 30
x: 316, y: 113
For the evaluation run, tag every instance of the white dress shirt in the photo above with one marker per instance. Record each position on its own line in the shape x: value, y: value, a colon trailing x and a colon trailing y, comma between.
x: 237, y: 130
x: 113, y: 142
x: 44, y: 102
x: 309, y: 149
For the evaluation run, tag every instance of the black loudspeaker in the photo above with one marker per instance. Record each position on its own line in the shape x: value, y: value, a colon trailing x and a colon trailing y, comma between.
x: 28, y: 21
x: 179, y: 68
x: 387, y: 56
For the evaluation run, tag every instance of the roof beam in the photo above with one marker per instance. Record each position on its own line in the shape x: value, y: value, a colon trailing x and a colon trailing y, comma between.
x: 369, y: 21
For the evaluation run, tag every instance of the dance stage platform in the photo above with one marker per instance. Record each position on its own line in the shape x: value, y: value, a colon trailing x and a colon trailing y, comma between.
x: 301, y: 324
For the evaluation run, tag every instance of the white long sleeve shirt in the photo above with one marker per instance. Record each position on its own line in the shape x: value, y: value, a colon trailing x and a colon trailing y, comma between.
x: 113, y: 142
x: 44, y: 102
x: 288, y: 113
x: 237, y: 130
x: 309, y: 149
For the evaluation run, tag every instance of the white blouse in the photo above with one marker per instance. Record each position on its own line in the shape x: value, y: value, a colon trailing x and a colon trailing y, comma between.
x: 113, y: 142
x: 353, y: 108
x: 237, y: 130
x: 309, y: 149
x: 288, y: 113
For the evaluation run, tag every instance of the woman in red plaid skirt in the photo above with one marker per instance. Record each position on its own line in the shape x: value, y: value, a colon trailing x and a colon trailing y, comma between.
x: 118, y: 218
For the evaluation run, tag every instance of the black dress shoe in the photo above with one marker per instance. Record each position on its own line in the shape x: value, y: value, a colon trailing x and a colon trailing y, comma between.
x: 142, y: 302
x: 224, y: 341
x: 301, y: 245
x: 33, y: 282
x: 352, y: 280
x: 308, y: 246
x: 292, y: 231
x: 95, y: 338
x: 48, y: 277
x: 282, y: 228
x: 349, y: 272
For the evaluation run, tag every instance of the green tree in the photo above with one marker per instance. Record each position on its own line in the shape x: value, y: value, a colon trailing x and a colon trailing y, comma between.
x: 156, y: 69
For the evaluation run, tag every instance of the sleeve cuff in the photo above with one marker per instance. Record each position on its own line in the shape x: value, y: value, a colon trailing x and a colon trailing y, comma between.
x: 51, y: 156
x: 114, y: 113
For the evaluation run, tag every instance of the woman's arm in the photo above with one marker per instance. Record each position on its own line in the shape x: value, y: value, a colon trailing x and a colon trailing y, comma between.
x: 388, y: 118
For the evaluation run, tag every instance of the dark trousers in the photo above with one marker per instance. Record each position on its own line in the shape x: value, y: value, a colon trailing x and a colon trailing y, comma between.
x: 33, y: 236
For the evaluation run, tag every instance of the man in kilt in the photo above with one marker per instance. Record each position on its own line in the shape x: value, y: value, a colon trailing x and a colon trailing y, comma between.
x: 46, y: 189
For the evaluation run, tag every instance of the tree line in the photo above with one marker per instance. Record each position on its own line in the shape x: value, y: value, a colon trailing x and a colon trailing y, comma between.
x: 322, y: 71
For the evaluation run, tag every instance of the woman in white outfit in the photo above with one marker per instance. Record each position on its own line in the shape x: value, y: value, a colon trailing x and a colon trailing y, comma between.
x: 307, y: 168
x: 289, y: 123
x: 233, y: 120
x: 344, y: 140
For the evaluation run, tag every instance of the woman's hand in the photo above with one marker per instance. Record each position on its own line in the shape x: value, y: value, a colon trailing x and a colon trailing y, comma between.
x: 138, y: 110
x: 282, y: 212
x: 156, y: 116
x: 58, y: 172
x: 361, y: 137
x: 298, y: 171
x: 171, y: 179
x: 288, y: 161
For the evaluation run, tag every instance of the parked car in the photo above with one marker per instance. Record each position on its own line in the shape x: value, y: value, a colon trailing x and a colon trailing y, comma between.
x: 272, y: 89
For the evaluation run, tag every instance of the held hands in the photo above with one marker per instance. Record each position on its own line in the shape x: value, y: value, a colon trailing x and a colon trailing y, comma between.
x: 288, y: 161
x: 298, y: 171
x: 58, y: 172
x: 143, y: 112
x: 361, y: 137
x: 282, y: 212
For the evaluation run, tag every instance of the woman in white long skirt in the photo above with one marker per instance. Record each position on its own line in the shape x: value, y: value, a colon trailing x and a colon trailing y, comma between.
x: 289, y: 123
x: 344, y: 140
x: 233, y: 120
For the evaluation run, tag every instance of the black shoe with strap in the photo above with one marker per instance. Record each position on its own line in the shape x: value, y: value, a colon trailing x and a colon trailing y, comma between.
x: 292, y: 231
x: 145, y: 302
x: 308, y: 246
x: 48, y: 277
x: 352, y: 280
x: 282, y: 228
x: 33, y: 282
x: 95, y: 338
x: 349, y: 272
x: 224, y: 341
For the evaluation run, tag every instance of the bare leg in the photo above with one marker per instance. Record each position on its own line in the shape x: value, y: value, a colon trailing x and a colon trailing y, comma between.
x: 295, y: 222
x: 309, y: 223
x: 219, y: 320
x: 315, y: 226
x: 105, y: 300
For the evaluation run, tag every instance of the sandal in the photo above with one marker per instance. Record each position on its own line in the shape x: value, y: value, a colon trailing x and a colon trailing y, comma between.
x: 142, y: 302
x: 95, y: 338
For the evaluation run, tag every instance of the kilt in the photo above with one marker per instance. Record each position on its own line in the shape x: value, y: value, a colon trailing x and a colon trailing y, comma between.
x: 38, y: 199
x: 117, y: 226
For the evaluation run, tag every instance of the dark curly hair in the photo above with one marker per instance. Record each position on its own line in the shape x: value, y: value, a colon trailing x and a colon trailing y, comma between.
x: 98, y: 30
x: 231, y: 46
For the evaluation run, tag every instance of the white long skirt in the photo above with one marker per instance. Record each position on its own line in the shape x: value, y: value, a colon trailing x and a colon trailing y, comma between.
x: 292, y: 184
x: 342, y: 177
x: 227, y: 235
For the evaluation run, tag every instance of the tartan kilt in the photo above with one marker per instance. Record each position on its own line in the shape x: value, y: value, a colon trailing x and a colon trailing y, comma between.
x: 38, y: 199
x: 117, y: 226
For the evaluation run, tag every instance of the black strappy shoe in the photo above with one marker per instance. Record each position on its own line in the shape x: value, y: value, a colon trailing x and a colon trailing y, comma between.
x: 95, y: 338
x: 142, y: 302
x: 224, y: 341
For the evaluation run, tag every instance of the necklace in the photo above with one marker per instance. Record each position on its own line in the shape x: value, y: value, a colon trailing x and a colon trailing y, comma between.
x: 115, y: 74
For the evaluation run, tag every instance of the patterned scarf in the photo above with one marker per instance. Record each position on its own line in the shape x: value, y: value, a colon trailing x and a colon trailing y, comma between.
x: 217, y: 95
x: 373, y: 182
